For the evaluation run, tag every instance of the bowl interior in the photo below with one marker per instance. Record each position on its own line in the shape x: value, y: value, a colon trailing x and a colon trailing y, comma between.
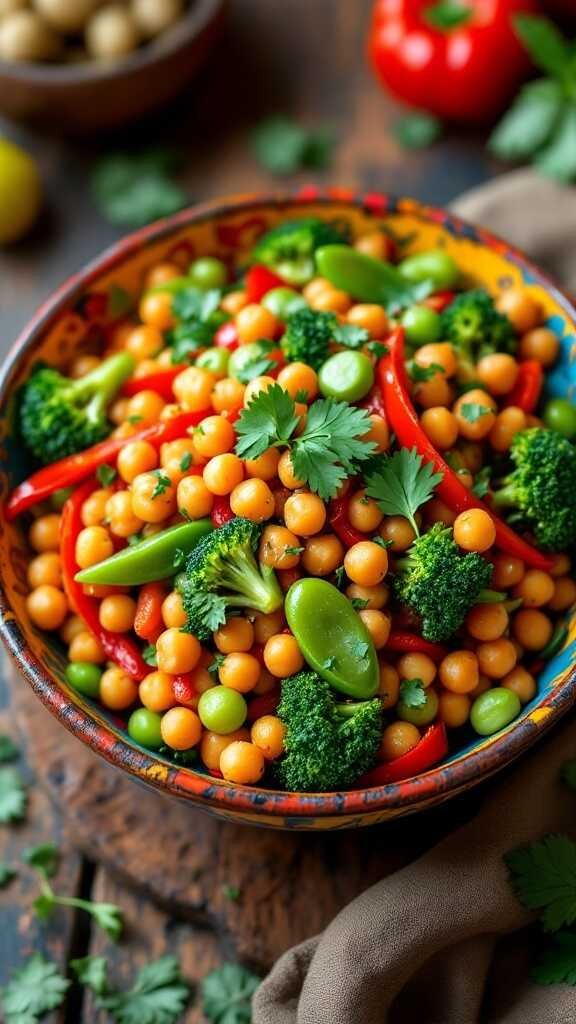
x: 107, y: 291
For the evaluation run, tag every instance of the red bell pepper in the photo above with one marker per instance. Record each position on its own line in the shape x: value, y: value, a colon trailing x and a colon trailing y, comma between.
x: 428, y: 751
x: 409, y: 643
x: 184, y: 689
x: 439, y: 301
x: 221, y: 512
x: 528, y: 387
x: 265, y: 704
x: 446, y: 64
x: 160, y: 382
x: 75, y: 468
x: 227, y: 336
x: 118, y: 647
x: 259, y: 281
x: 403, y: 420
x: 374, y: 403
x: 148, y: 623
x: 338, y: 519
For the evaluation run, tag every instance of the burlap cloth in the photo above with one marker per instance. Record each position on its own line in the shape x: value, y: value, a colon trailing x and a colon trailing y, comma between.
x: 444, y: 941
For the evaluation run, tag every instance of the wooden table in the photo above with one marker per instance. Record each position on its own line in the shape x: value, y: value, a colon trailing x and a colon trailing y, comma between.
x: 303, y: 58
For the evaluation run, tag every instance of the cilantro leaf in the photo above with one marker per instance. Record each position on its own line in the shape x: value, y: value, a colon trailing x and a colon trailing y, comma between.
x: 12, y: 796
x: 149, y: 655
x: 339, y: 576
x: 195, y: 304
x: 350, y: 335
x: 163, y: 482
x: 557, y: 964
x: 402, y: 484
x: 231, y: 892
x: 214, y: 665
x: 269, y: 419
x: 418, y: 130
x: 44, y: 858
x: 359, y: 603
x: 186, y: 462
x: 227, y: 994
x: 105, y: 475
x: 558, y: 159
x: 412, y: 693
x: 473, y: 411
x: 8, y: 750
x: 34, y: 989
x: 529, y: 122
x: 330, y: 445
x: 545, y: 44
x: 291, y: 550
x: 7, y: 874
x: 282, y: 146
x: 209, y: 608
x: 159, y: 994
x: 377, y: 349
x: 107, y: 916
x: 188, y: 338
x: 92, y: 972
x: 481, y: 484
x: 133, y: 189
x: 259, y: 366
x: 543, y: 875
x: 359, y: 649
x: 420, y: 374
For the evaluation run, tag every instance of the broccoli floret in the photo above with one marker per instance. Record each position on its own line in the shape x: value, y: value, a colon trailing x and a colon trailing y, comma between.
x: 327, y: 745
x: 222, y: 575
x: 542, y: 487
x: 307, y: 337
x: 289, y: 248
x: 59, y: 416
x: 439, y: 583
x: 475, y: 327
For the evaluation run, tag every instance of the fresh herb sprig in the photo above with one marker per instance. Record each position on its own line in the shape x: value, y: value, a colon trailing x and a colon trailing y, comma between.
x: 402, y: 484
x: 227, y: 995
x: 33, y: 990
x: 282, y: 146
x: 133, y: 189
x: 412, y: 693
x: 159, y: 994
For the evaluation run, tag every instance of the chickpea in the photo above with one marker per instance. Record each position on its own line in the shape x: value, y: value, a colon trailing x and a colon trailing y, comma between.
x: 45, y: 569
x: 331, y: 300
x: 177, y: 457
x: 481, y: 426
x: 223, y: 473
x: 436, y: 511
x: 214, y: 436
x: 378, y: 433
x: 156, y: 311
x: 257, y: 385
x: 161, y: 273
x: 375, y: 244
x: 177, y: 652
x: 279, y: 548
x: 193, y: 388
x: 540, y: 344
x: 254, y: 322
x: 532, y: 628
x: 173, y: 614
x: 370, y: 317
x: 266, y: 626
x: 117, y: 690
x: 305, y: 514
x: 117, y: 613
x: 144, y: 342
x: 118, y: 411
x: 521, y: 308
x: 73, y: 626
x: 286, y: 473
x: 417, y: 666
x: 378, y: 625
x: 454, y: 709
x: 322, y: 554
x: 364, y: 513
x: 239, y: 671
x: 82, y: 365
x: 535, y: 588
x: 267, y: 734
x: 377, y: 597
x: 483, y: 684
x: 242, y: 763
x: 212, y: 744
x: 237, y: 634
x: 459, y: 671
x: 265, y: 467
x: 156, y: 692
x: 234, y: 302
x: 564, y: 595
x: 561, y: 564
x: 47, y: 607
x: 496, y: 658
x: 181, y: 728
x: 45, y: 533
x: 440, y: 426
x: 153, y: 497
x: 135, y: 458
x: 193, y: 498
x: 84, y: 646
x: 366, y: 563
x: 298, y: 377
x: 93, y: 545
x: 228, y: 395
x: 153, y: 17
x: 146, y: 406
x: 487, y: 621
x: 433, y: 392
x: 120, y: 514
x: 507, y: 424
x: 497, y: 372
x: 25, y: 36
x: 398, y: 739
x: 474, y: 530
x: 282, y: 655
x: 508, y: 570
x: 253, y: 500
x: 440, y: 353
x: 522, y: 683
x: 389, y: 685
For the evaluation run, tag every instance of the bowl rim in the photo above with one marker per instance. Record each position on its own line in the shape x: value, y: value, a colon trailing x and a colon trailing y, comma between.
x: 228, y: 798
x: 192, y: 24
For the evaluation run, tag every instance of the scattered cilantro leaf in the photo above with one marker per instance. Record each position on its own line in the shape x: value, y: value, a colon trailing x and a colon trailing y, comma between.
x: 231, y: 892
x: 92, y: 972
x: 331, y: 445
x: 403, y: 484
x: 34, y: 989
x: 420, y: 374
x: 329, y: 663
x: 195, y: 304
x: 545, y: 44
x: 187, y: 338
x: 377, y: 349
x: 186, y: 462
x: 8, y: 750
x: 259, y: 366
x: 135, y: 419
x: 481, y: 484
x: 350, y: 335
x: 359, y: 603
x: 301, y: 395
x: 133, y: 189
x: 412, y: 693
x: 105, y: 475
x: 44, y: 858
x: 7, y: 874
x: 288, y: 550
x: 134, y: 539
x: 529, y: 123
x: 473, y: 411
x: 283, y: 146
x: 339, y: 576
x: 543, y: 875
x: 149, y: 655
x: 418, y: 130
x: 12, y: 796
x: 159, y: 994
x: 268, y: 420
x: 359, y: 649
x: 227, y: 995
x: 381, y: 542
x: 557, y: 964
x: 211, y: 609
x: 163, y: 482
x: 214, y: 665
x: 107, y: 916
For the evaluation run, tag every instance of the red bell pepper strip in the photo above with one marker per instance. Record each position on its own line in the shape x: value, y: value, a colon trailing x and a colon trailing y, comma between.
x: 338, y: 519
x: 259, y: 281
x: 403, y: 420
x: 75, y: 468
x: 439, y: 301
x: 116, y: 646
x: 528, y: 387
x: 374, y: 403
x: 265, y: 704
x: 408, y: 643
x: 160, y: 382
x: 227, y: 336
x: 428, y: 751
x: 148, y: 623
x: 221, y: 512
x: 184, y: 689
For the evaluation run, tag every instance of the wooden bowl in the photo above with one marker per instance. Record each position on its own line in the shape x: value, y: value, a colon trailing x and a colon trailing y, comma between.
x: 89, y: 97
x: 228, y: 229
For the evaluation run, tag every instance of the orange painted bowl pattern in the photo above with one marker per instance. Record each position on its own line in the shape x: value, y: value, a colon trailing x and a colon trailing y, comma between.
x: 94, y: 298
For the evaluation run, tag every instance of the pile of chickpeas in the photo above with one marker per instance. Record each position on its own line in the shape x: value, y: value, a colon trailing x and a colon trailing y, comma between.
x: 496, y: 647
x: 81, y: 30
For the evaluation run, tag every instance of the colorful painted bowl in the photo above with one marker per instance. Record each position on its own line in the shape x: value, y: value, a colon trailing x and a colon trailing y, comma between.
x: 96, y: 296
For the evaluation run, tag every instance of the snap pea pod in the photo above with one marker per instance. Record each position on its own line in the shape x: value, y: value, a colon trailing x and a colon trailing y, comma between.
x: 332, y: 637
x: 155, y: 558
x: 368, y: 279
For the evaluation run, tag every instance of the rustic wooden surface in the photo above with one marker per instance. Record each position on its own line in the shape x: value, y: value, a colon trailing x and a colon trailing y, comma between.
x: 304, y: 59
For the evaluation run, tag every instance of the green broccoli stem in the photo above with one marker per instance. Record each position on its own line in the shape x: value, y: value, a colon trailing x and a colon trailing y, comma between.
x: 254, y: 586
x: 103, y: 383
x: 506, y: 497
x: 348, y: 709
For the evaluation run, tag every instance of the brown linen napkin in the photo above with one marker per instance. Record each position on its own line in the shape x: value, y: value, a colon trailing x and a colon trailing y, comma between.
x: 441, y: 941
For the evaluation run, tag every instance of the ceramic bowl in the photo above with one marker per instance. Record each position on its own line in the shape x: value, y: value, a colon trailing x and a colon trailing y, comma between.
x: 228, y: 229
x: 88, y: 97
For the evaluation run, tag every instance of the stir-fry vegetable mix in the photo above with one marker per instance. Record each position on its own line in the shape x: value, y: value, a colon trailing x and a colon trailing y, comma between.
x: 327, y: 536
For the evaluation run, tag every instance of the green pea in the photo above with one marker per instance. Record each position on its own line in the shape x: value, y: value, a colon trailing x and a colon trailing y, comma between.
x: 560, y: 415
x: 144, y: 728
x: 222, y: 710
x: 494, y: 709
x: 347, y: 376
x: 421, y: 325
x: 435, y: 266
x: 208, y: 272
x: 283, y: 301
x: 216, y: 360
x: 84, y: 677
x: 59, y: 498
x: 423, y: 715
